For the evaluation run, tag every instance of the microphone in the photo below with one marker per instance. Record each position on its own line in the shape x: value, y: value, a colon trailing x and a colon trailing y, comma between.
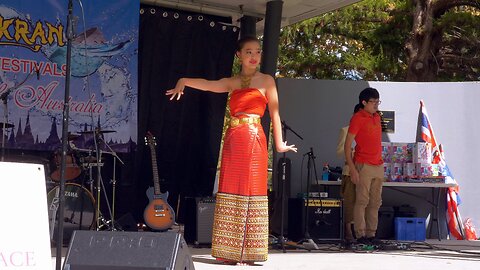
x: 310, y: 153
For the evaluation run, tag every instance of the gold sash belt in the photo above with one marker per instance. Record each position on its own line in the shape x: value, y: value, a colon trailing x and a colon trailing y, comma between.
x: 234, y: 121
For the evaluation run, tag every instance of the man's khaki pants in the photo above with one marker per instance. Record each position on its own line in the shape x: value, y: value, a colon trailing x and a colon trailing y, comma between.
x: 368, y: 199
x: 347, y: 192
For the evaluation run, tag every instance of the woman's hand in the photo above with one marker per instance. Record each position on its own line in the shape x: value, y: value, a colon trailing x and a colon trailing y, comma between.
x: 177, y: 91
x: 285, y: 148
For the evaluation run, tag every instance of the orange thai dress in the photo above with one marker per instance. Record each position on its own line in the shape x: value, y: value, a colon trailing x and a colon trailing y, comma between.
x: 240, y: 227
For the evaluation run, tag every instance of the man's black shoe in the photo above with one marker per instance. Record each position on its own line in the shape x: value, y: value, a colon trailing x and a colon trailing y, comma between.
x: 348, y: 244
x: 364, y: 241
x: 374, y: 241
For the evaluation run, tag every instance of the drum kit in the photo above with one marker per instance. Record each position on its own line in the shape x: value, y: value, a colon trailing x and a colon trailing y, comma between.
x: 82, y: 209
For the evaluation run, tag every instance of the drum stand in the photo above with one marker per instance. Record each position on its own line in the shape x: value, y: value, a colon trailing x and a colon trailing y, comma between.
x: 101, y: 222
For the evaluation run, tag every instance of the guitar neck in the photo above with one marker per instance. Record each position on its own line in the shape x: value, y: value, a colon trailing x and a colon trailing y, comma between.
x: 156, y: 182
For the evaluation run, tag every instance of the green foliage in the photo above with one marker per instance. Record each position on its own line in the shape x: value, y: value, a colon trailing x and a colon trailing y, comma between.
x: 367, y: 41
x: 362, y: 41
x: 459, y: 57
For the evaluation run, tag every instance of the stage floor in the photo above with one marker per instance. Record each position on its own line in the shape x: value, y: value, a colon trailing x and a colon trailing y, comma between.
x: 432, y: 254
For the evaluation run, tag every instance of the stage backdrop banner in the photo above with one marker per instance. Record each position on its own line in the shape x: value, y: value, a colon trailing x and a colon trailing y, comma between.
x: 103, y: 92
x: 24, y: 237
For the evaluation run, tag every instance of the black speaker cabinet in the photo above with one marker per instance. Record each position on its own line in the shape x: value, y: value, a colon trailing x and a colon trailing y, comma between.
x: 199, y: 221
x: 324, y: 219
x: 115, y: 250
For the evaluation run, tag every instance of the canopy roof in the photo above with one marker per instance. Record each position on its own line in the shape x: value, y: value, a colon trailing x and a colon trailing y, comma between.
x: 293, y: 10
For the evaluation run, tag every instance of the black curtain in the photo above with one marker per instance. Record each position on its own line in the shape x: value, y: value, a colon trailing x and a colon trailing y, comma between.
x: 175, y: 44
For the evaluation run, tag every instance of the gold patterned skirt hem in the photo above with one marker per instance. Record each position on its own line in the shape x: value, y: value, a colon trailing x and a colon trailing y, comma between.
x: 240, y: 228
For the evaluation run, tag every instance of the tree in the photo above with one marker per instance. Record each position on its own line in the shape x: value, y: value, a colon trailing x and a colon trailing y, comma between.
x: 385, y: 40
x: 362, y: 41
x: 459, y: 55
x: 426, y: 53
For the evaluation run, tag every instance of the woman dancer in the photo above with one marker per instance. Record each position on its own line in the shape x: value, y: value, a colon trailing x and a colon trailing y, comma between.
x: 240, y: 229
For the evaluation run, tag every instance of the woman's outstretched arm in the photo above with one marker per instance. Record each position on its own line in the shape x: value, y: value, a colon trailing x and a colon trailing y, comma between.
x: 218, y: 86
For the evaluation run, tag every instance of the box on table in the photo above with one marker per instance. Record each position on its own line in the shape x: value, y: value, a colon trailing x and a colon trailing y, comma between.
x: 410, y: 229
x: 409, y: 169
x: 386, y: 151
x: 409, y: 157
x: 400, y: 153
x: 424, y: 169
x: 396, y: 173
x: 422, y: 152
x: 387, y: 170
x: 436, y: 170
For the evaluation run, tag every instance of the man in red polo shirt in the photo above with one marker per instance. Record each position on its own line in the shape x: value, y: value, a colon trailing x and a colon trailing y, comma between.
x: 366, y: 166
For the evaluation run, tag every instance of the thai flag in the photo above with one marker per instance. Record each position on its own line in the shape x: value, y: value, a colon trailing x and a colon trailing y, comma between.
x: 454, y: 220
x: 427, y: 133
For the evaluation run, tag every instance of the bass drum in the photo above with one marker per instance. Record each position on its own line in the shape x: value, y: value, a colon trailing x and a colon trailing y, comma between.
x: 79, y: 211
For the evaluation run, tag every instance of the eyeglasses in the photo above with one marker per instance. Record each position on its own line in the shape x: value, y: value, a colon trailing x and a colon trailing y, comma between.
x: 377, y: 102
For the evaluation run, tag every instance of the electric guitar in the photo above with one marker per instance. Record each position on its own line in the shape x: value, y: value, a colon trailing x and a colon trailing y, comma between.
x: 158, y: 214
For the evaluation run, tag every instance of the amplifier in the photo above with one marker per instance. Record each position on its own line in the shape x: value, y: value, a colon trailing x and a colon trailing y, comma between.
x: 199, y: 220
x: 325, y: 219
x: 205, y: 213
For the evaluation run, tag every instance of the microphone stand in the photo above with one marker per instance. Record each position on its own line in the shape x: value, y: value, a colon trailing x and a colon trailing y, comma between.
x: 98, y: 155
x: 285, y: 127
x: 307, y: 240
x: 114, y: 181
x: 100, y: 184
x: 66, y: 109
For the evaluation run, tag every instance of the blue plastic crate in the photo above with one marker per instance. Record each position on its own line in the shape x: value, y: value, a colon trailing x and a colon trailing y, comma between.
x: 410, y: 229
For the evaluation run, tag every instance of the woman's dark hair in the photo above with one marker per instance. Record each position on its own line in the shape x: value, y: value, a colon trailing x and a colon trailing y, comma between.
x: 367, y: 94
x: 357, y: 107
x: 241, y: 42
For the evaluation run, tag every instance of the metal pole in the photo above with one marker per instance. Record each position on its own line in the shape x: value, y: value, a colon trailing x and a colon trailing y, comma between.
x: 271, y: 35
x: 248, y: 26
x: 66, y: 109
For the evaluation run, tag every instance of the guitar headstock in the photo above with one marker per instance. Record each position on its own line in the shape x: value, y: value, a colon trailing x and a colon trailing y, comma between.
x: 150, y: 139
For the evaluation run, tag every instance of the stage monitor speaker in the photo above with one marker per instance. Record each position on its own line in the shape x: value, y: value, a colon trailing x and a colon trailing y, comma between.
x: 324, y: 219
x: 115, y: 250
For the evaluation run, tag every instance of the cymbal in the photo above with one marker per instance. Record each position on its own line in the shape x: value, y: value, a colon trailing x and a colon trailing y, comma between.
x: 7, y: 125
x: 97, y: 131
